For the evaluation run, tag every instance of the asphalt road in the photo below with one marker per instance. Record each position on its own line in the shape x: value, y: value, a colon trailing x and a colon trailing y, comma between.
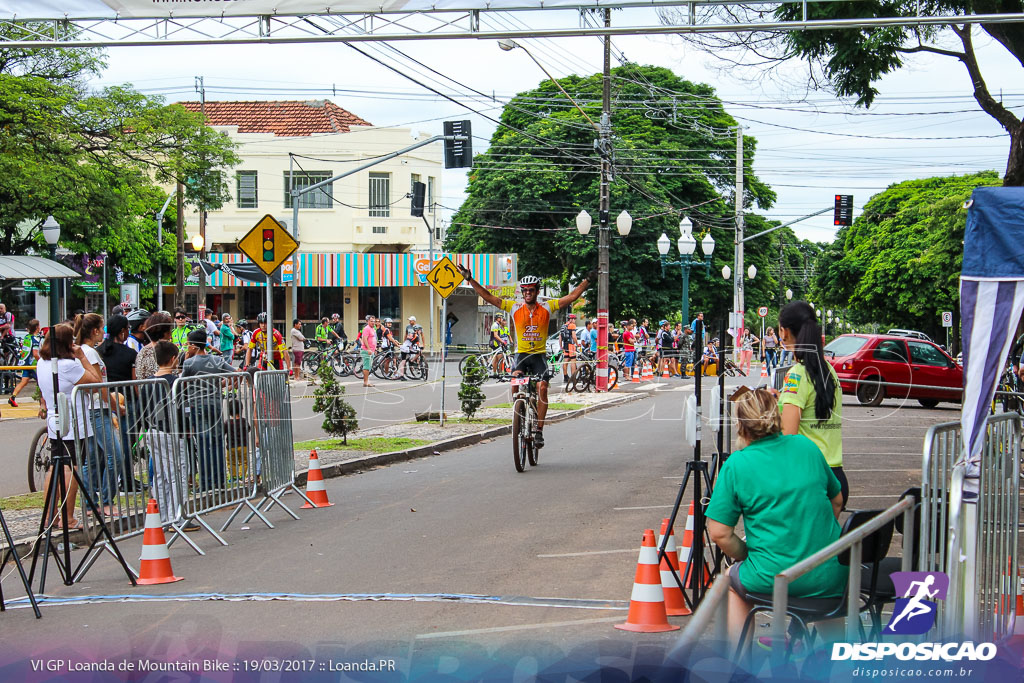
x: 419, y: 534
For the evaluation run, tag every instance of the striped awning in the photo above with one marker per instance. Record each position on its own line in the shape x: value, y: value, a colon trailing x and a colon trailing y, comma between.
x: 376, y: 270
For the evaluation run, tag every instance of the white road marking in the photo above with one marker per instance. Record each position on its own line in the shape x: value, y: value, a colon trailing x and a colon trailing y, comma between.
x: 520, y: 627
x: 646, y: 507
x: 592, y: 552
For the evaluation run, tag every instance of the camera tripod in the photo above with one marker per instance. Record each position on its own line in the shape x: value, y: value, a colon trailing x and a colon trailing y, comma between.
x: 700, y: 472
x: 56, y: 495
x: 9, y: 553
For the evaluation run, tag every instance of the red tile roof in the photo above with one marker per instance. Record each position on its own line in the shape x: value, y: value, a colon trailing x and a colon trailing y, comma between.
x: 282, y: 118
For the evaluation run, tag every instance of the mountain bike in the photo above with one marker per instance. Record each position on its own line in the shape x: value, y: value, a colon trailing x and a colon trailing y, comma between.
x: 416, y: 367
x: 524, y: 419
x: 487, y: 361
x: 385, y: 364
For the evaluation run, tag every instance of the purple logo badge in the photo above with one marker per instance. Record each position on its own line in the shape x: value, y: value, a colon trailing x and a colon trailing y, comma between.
x: 914, y: 612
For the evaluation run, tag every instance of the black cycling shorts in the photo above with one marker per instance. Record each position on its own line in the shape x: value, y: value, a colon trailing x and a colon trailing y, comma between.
x: 533, y: 364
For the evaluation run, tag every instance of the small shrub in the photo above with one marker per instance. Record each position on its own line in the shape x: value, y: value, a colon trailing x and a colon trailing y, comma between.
x: 339, y: 415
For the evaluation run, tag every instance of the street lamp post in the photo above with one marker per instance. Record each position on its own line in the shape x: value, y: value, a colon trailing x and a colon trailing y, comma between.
x: 51, y: 233
x: 686, y: 245
x: 198, y: 242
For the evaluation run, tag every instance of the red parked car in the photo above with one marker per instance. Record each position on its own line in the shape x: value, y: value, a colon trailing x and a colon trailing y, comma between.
x: 862, y: 360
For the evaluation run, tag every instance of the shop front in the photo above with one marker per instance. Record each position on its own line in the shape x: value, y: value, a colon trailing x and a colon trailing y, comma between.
x: 355, y: 285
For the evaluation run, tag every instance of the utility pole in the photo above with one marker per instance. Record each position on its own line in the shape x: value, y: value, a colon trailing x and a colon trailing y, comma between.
x: 295, y: 235
x: 738, y: 274
x: 604, y: 149
x: 201, y: 295
x: 179, y: 276
x: 782, y: 282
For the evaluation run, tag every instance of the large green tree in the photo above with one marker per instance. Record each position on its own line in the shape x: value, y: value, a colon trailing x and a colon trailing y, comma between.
x: 851, y: 61
x: 96, y: 160
x: 674, y: 155
x: 899, y: 263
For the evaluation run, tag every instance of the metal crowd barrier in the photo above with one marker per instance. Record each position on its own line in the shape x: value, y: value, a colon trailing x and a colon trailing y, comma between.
x: 984, y: 606
x: 216, y: 426
x: 193, y: 448
x: 274, y: 442
x: 126, y: 450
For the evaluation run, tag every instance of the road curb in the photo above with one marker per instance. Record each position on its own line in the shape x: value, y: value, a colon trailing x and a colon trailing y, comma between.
x: 378, y: 460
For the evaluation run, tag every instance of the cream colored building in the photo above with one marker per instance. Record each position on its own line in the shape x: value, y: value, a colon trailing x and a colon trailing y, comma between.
x: 361, y: 251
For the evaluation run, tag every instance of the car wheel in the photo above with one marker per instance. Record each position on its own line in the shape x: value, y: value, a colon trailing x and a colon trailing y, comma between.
x: 869, y: 393
x: 928, y: 402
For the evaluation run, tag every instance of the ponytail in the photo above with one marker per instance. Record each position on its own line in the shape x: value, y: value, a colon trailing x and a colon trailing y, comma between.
x: 798, y: 317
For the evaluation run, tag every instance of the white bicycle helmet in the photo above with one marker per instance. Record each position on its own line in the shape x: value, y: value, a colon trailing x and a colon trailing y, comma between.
x: 529, y: 280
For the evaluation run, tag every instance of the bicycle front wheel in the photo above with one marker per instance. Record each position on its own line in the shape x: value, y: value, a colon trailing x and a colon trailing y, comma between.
x: 311, y: 362
x: 38, y: 461
x: 520, y: 435
x: 532, y: 451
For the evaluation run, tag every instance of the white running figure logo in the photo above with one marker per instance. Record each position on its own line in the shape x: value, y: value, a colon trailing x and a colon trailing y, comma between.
x: 914, y: 607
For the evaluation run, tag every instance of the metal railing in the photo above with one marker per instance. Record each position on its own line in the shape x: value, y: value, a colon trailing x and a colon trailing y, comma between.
x: 276, y: 453
x: 714, y: 603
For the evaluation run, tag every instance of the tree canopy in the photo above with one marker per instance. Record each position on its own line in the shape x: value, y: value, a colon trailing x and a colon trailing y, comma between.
x: 899, y: 263
x: 851, y: 61
x: 96, y: 160
x: 674, y: 155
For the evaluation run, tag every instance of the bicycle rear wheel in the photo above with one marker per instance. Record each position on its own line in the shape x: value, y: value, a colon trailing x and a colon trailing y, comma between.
x: 520, y: 438
x: 466, y: 361
x: 311, y: 362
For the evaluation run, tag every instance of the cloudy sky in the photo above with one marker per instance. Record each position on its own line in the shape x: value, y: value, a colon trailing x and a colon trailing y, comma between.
x: 924, y: 123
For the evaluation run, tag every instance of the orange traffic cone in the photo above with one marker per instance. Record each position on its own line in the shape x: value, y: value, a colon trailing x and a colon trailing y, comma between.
x: 647, y: 603
x: 685, y: 558
x: 648, y: 372
x: 155, y: 566
x: 636, y: 373
x: 675, y: 604
x: 315, y: 489
x: 764, y: 369
x: 664, y: 373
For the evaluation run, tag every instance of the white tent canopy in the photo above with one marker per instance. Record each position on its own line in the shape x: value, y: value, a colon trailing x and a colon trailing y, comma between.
x: 33, y: 268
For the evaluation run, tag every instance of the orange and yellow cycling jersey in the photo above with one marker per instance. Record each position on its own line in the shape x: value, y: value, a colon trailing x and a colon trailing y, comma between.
x: 531, y: 328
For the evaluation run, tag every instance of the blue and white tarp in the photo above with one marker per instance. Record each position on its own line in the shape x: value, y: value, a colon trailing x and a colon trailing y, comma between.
x: 991, y: 301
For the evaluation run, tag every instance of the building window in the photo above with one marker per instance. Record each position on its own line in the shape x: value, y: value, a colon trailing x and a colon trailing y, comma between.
x: 382, y: 302
x: 380, y: 229
x: 380, y: 193
x: 430, y: 194
x: 412, y: 182
x: 321, y: 198
x: 437, y: 234
x: 247, y: 197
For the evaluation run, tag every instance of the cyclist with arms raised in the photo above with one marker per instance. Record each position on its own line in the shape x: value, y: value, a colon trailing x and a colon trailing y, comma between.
x: 530, y: 323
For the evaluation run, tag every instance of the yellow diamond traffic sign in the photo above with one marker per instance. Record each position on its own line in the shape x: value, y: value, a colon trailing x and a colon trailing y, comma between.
x: 444, y: 277
x: 268, y: 244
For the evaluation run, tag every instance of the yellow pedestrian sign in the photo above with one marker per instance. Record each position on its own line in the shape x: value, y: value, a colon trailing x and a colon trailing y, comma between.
x: 268, y: 244
x: 444, y: 277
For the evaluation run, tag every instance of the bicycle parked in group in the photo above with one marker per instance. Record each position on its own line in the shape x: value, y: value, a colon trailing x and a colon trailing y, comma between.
x: 10, y: 355
x: 486, y: 360
x: 524, y: 421
x: 341, y: 360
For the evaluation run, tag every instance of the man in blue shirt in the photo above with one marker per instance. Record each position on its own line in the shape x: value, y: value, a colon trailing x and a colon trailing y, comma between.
x: 593, y: 336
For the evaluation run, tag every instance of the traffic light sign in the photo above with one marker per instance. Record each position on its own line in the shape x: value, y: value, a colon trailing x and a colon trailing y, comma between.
x: 458, y: 153
x: 843, y: 214
x: 268, y: 244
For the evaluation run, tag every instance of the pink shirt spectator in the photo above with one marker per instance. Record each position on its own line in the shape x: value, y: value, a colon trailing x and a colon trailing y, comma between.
x: 368, y: 338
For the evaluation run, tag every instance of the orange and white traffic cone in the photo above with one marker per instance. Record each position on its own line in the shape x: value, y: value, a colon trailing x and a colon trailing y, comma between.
x: 675, y: 603
x: 636, y: 373
x: 648, y: 372
x: 155, y: 566
x: 686, y: 559
x: 764, y: 369
x: 647, y: 603
x: 664, y: 372
x: 315, y: 489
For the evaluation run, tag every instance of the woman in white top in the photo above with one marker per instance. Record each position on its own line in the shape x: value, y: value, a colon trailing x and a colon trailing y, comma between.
x: 58, y: 353
x: 103, y: 455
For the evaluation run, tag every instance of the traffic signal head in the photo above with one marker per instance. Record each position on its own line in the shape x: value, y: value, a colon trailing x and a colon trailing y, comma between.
x: 268, y: 244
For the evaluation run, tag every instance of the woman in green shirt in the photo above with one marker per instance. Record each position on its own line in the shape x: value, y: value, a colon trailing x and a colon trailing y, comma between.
x: 811, y: 401
x: 227, y: 338
x: 789, y: 501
